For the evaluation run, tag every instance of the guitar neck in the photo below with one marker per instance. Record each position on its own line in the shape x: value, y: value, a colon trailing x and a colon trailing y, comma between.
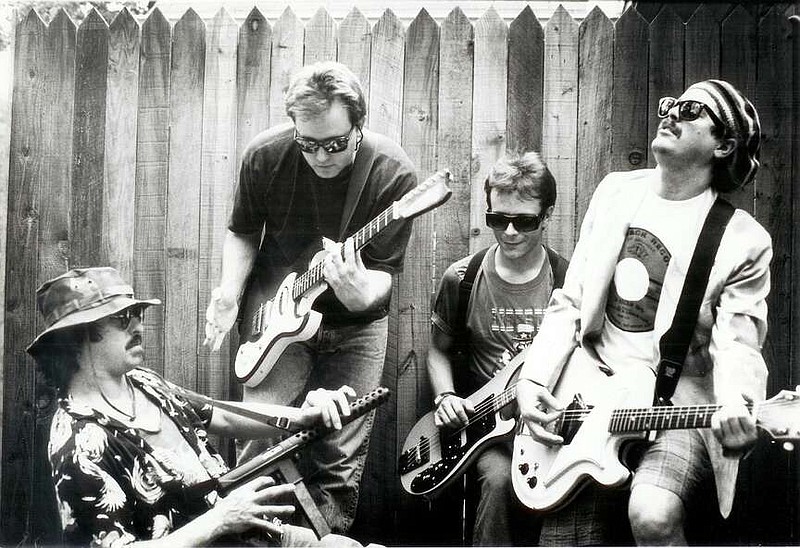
x: 662, y: 418
x: 255, y: 467
x: 361, y: 238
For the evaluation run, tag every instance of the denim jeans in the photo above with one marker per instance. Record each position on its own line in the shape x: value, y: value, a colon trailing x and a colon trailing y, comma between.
x: 500, y: 520
x: 332, y: 466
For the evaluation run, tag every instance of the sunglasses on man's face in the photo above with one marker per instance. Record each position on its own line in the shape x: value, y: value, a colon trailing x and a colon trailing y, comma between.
x: 522, y: 223
x: 331, y: 146
x: 125, y: 317
x: 687, y: 110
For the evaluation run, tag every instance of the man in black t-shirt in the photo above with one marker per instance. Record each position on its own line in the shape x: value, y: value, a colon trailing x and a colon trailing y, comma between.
x: 319, y: 180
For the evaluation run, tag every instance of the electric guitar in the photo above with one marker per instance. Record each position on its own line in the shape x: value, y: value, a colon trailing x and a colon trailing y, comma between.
x: 434, y: 457
x: 269, y: 326
x: 546, y: 478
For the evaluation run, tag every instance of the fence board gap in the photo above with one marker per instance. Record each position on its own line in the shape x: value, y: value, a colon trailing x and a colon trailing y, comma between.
x: 559, y: 146
x: 525, y: 82
x: 488, y: 117
x: 152, y: 173
x: 354, y: 45
x: 320, y: 38
x: 702, y: 46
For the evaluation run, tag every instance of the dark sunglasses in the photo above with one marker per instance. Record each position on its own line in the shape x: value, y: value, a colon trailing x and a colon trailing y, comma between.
x: 687, y: 110
x: 523, y: 223
x: 331, y: 146
x: 125, y: 317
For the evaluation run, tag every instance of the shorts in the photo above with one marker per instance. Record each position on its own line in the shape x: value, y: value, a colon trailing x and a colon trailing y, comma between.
x: 676, y: 461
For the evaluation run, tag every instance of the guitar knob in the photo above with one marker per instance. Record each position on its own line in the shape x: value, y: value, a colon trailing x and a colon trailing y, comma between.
x: 788, y: 446
x: 523, y: 468
x: 532, y: 481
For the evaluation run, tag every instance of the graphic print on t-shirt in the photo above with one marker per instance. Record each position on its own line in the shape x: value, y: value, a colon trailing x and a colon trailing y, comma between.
x: 521, y: 324
x: 638, y: 280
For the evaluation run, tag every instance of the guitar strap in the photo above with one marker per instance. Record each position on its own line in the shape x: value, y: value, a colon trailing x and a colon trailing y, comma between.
x: 674, y: 343
x: 281, y: 423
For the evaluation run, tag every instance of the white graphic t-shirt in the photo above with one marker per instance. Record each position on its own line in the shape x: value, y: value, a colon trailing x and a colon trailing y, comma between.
x: 662, y: 236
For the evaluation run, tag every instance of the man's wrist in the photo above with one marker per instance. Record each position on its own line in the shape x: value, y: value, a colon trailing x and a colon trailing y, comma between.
x: 441, y: 396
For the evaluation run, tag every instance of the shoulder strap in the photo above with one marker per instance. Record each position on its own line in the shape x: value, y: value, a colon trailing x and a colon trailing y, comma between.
x: 675, y: 342
x: 559, y: 267
x: 465, y: 289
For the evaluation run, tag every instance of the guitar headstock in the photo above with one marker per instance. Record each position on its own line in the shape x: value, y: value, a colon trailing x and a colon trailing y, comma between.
x: 779, y: 416
x: 432, y: 193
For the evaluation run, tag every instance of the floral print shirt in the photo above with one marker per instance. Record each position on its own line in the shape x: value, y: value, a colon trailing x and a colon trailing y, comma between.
x: 112, y: 486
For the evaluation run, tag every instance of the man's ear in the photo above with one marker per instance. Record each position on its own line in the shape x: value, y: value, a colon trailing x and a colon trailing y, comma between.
x: 548, y: 214
x: 725, y: 148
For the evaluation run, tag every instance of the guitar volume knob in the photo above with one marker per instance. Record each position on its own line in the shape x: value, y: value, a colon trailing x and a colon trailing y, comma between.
x: 523, y: 468
x: 532, y: 481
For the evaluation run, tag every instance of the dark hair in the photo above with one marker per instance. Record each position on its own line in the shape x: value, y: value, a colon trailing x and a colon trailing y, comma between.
x: 57, y: 355
x: 314, y: 88
x: 527, y: 175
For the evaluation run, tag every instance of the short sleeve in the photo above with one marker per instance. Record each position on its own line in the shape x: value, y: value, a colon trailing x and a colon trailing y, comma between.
x: 445, y: 302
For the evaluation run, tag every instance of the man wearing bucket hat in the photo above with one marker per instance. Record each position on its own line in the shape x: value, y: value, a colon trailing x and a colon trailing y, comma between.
x: 125, y: 443
x: 620, y: 297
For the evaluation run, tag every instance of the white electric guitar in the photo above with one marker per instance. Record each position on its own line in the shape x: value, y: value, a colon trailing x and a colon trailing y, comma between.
x: 269, y: 326
x: 546, y: 478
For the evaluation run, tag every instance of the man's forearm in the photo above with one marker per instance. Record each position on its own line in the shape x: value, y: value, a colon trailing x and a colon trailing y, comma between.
x: 238, y: 255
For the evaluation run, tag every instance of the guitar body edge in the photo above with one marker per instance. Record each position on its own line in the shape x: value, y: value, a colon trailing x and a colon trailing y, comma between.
x: 547, y: 478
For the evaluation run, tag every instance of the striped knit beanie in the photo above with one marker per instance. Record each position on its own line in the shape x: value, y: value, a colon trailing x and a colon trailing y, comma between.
x: 741, y: 119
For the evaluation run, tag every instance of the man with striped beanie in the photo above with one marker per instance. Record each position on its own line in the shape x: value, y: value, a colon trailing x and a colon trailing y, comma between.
x: 613, y: 322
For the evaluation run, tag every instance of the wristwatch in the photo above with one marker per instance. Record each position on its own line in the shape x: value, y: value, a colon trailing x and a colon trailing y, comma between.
x: 441, y: 396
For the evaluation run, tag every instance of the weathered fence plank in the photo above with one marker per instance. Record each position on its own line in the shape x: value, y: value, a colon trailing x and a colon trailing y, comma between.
x: 320, y: 38
x: 377, y: 503
x: 354, y: 45
x: 559, y: 145
x: 666, y: 65
x: 253, y: 79
x: 152, y: 173
x: 489, y: 116
x: 456, y: 58
x: 525, y: 83
x: 738, y: 52
x: 88, y: 193
x: 183, y: 198
x: 287, y: 58
x: 26, y: 158
x: 386, y: 77
x: 216, y: 187
x: 120, y: 143
x: 54, y: 237
x: 702, y: 41
x: 420, y: 126
x: 596, y: 81
x: 629, y: 114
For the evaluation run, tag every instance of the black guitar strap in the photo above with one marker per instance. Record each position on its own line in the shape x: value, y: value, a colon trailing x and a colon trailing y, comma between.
x: 674, y: 343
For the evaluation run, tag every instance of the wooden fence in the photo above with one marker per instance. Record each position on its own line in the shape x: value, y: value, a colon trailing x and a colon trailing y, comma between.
x: 124, y: 147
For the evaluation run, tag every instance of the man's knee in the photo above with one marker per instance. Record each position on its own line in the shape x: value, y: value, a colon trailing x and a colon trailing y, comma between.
x: 495, y: 482
x: 656, y: 516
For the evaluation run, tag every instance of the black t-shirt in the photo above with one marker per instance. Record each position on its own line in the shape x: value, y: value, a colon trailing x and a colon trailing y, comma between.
x: 279, y: 194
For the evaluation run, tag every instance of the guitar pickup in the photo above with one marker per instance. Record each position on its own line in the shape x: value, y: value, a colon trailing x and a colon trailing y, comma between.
x: 415, y: 457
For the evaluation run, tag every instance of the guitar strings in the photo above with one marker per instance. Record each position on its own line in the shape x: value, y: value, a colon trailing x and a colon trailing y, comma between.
x: 488, y: 406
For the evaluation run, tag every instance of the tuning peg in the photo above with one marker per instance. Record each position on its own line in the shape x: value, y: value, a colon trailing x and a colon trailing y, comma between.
x: 788, y: 446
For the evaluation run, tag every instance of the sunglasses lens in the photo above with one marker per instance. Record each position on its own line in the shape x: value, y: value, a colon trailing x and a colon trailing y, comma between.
x: 522, y: 223
x: 336, y: 145
x: 664, y: 105
x: 690, y: 110
x: 309, y: 147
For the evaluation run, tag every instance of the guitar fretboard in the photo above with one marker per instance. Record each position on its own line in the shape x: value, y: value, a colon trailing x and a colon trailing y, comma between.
x: 662, y: 418
x: 313, y: 275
